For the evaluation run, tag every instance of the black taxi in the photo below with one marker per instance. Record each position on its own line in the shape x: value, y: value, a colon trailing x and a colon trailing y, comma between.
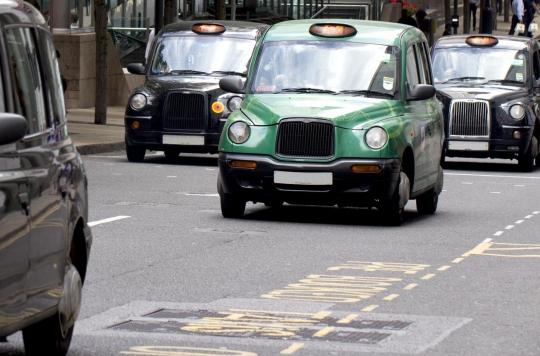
x: 180, y: 107
x: 490, y: 90
x: 44, y: 235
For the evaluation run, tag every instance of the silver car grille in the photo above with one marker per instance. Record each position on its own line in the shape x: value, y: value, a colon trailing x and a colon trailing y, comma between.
x: 469, y: 118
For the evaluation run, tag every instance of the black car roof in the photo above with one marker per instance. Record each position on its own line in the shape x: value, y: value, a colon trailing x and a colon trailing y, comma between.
x: 510, y: 42
x: 237, y: 28
x: 19, y: 12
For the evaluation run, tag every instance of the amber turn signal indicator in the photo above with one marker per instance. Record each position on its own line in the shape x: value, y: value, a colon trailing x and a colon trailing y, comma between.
x: 135, y: 125
x: 208, y: 28
x: 332, y: 30
x: 481, y: 41
x: 217, y: 107
x: 243, y: 164
x: 365, y: 168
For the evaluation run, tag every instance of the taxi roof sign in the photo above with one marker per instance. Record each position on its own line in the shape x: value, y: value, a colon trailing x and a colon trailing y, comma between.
x: 335, y: 30
x: 481, y: 41
x: 208, y: 28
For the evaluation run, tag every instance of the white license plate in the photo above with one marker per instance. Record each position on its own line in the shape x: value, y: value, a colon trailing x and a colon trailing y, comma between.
x: 303, y: 178
x: 183, y: 140
x: 468, y: 146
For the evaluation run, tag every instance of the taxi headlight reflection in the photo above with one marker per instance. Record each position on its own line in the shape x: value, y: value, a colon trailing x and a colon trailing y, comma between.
x: 517, y: 112
x: 138, y: 101
x: 234, y: 103
x: 376, y: 137
x: 239, y: 132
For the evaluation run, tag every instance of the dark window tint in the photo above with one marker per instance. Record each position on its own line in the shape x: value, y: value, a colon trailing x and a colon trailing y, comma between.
x: 27, y: 86
x: 536, y: 65
x: 412, y: 68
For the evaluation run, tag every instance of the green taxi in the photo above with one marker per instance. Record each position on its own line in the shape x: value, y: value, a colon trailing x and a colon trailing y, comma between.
x: 334, y: 114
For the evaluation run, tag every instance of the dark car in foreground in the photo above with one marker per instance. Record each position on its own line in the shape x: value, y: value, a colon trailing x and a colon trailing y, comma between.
x: 180, y: 107
x: 44, y: 236
x: 490, y: 89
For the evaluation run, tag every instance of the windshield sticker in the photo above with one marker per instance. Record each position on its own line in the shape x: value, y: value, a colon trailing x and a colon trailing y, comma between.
x: 388, y: 83
x: 518, y: 62
x: 519, y: 77
x: 386, y: 57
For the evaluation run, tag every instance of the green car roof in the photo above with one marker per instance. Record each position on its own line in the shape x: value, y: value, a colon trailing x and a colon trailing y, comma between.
x: 374, y: 32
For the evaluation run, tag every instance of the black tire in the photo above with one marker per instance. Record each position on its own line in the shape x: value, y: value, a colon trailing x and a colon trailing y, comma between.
x: 171, y: 154
x: 526, y: 160
x: 392, y: 210
x: 46, y: 338
x: 135, y: 153
x: 231, y: 206
x: 426, y: 203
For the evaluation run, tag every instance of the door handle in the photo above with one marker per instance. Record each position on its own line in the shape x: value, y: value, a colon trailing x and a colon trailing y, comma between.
x: 24, y: 199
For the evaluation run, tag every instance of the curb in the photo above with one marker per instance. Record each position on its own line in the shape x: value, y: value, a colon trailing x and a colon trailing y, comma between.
x: 100, y: 148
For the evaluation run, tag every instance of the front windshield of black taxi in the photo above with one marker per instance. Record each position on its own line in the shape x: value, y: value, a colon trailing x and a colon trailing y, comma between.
x: 477, y: 65
x: 336, y: 67
x: 202, y: 53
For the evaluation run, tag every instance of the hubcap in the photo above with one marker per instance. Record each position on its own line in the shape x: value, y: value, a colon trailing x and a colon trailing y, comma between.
x: 70, y: 302
x: 404, y: 190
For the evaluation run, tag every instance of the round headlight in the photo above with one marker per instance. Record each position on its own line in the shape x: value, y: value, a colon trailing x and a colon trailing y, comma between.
x: 138, y: 101
x: 517, y: 112
x: 239, y: 132
x: 234, y: 103
x: 376, y: 138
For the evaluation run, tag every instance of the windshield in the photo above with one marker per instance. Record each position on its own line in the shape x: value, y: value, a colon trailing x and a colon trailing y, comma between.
x: 326, y: 66
x: 470, y: 64
x: 202, y: 55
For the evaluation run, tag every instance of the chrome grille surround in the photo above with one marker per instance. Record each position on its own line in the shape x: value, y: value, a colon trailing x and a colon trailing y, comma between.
x: 305, y: 138
x: 469, y: 118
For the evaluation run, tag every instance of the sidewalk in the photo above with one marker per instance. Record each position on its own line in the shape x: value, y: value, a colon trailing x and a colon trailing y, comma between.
x: 91, y: 138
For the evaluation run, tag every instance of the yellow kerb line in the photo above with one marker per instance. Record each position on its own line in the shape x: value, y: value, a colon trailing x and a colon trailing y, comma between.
x: 458, y: 260
x: 428, y: 276
x: 347, y: 319
x: 443, y: 268
x: 370, y: 308
x: 391, y: 297
x: 323, y: 332
x: 292, y: 349
x: 410, y: 286
x: 321, y: 315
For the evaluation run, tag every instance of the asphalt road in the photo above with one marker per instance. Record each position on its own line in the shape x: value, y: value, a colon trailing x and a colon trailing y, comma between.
x: 168, y: 276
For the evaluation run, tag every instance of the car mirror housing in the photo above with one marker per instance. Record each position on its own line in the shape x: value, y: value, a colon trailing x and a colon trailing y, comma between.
x: 421, y: 92
x: 136, y: 68
x: 12, y: 128
x: 232, y: 85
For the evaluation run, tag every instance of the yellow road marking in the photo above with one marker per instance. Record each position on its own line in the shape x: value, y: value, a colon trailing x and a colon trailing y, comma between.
x: 370, y: 308
x: 407, y: 268
x: 410, y: 286
x: 444, y: 268
x: 391, y: 297
x: 292, y: 349
x: 347, y: 319
x: 480, y: 248
x: 458, y: 260
x: 428, y: 276
x: 324, y: 331
x: 182, y: 351
x: 321, y: 315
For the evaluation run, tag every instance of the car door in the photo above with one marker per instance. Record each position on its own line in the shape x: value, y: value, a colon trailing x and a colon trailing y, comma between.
x: 47, y: 237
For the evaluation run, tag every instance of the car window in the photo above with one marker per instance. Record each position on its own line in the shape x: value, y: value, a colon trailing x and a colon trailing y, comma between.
x: 412, y: 68
x: 422, y: 54
x: 27, y: 86
x: 536, y: 65
x: 52, y: 73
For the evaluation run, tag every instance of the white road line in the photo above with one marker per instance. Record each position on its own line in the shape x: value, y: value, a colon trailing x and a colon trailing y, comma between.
x: 536, y: 212
x: 201, y: 194
x: 172, y: 176
x: 108, y: 220
x: 519, y: 221
x: 488, y: 175
x: 495, y: 192
x: 519, y: 185
x: 498, y: 233
x: 467, y: 183
x: 509, y: 227
x: 528, y: 216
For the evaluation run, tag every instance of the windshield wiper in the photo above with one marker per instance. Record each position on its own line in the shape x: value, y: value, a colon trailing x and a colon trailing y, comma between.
x: 186, y: 71
x: 306, y: 90
x: 229, y: 72
x: 367, y: 93
x: 506, y: 81
x: 460, y: 79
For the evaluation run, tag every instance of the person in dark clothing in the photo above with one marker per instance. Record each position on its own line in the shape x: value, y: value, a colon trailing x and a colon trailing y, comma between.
x: 447, y: 29
x: 407, y: 19
x: 528, y: 16
x: 473, y: 6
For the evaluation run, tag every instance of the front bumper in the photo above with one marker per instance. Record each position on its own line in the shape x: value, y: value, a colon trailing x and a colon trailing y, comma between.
x: 347, y: 189
x: 153, y: 140
x: 504, y: 146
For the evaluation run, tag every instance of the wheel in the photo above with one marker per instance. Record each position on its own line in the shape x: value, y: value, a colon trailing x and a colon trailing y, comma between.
x: 392, y: 210
x: 427, y: 203
x: 135, y: 153
x: 52, y: 336
x: 171, y: 154
x: 526, y: 160
x: 231, y: 206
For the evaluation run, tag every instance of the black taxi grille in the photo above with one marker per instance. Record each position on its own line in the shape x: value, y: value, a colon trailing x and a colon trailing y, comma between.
x: 305, y: 138
x: 185, y: 111
x: 469, y: 118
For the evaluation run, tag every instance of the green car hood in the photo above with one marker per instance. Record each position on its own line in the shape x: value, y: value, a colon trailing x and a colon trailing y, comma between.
x: 353, y: 112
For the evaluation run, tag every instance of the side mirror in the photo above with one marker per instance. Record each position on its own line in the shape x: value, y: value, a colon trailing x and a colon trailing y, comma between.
x: 12, y: 128
x: 421, y: 92
x: 232, y: 85
x: 136, y: 68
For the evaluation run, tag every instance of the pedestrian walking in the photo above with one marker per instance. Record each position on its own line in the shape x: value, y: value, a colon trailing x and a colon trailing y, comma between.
x: 407, y: 19
x: 473, y: 6
x: 517, y: 17
x: 499, y: 7
x: 530, y: 11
